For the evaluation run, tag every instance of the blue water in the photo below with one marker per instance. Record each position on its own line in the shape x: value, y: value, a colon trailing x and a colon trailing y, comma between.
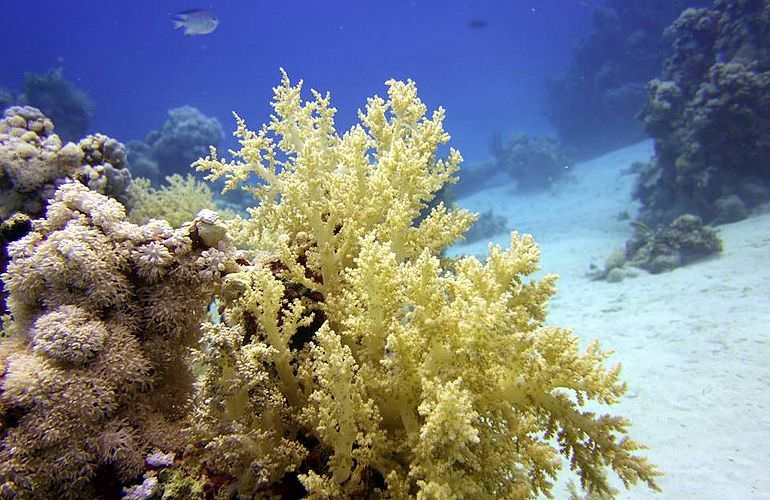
x: 127, y: 57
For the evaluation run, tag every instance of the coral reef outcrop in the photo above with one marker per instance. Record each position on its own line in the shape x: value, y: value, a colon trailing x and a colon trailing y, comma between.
x: 103, y: 167
x: 684, y: 241
x: 34, y: 162
x: 186, y: 135
x: 59, y: 100
x: 710, y: 116
x: 535, y: 162
x: 593, y: 106
x: 352, y: 361
x: 93, y: 375
x: 487, y: 225
x: 681, y: 242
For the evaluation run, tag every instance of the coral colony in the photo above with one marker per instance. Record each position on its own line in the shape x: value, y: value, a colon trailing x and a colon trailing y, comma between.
x: 593, y: 105
x: 185, y: 136
x: 709, y: 115
x: 318, y: 347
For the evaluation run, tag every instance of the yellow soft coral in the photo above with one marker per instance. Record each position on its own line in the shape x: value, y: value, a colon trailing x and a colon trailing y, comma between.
x: 394, y: 371
x: 177, y: 202
x: 375, y: 178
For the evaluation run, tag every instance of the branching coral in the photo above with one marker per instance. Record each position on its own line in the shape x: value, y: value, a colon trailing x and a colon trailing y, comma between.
x: 93, y: 373
x: 351, y: 359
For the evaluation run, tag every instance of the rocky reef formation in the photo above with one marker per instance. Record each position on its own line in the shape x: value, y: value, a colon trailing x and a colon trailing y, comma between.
x: 7, y: 99
x: 59, y: 100
x: 710, y: 116
x: 186, y: 136
x: 681, y: 242
x: 593, y: 106
x: 684, y: 241
x: 34, y: 162
x: 103, y: 167
x: 487, y: 225
x: 535, y: 162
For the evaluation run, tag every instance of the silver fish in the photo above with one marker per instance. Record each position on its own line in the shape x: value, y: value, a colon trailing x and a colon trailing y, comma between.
x: 195, y: 22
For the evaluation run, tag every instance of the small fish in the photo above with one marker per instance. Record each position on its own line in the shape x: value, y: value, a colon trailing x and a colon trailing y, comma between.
x: 477, y: 23
x: 195, y: 22
x: 591, y: 4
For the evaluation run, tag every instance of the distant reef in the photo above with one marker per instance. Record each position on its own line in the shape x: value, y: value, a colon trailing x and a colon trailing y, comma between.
x: 593, y: 105
x: 59, y: 99
x: 535, y: 162
x: 186, y: 136
x: 709, y: 114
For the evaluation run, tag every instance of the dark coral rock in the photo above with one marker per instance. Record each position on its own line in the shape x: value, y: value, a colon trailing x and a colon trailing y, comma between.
x: 710, y: 116
x: 729, y: 209
x: 141, y: 162
x: 754, y: 191
x: 7, y: 99
x: 593, y: 106
x: 59, y: 100
x: 486, y: 226
x: 104, y: 166
x: 185, y: 137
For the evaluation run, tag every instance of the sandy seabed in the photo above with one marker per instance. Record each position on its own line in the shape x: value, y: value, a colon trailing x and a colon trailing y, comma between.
x: 694, y: 343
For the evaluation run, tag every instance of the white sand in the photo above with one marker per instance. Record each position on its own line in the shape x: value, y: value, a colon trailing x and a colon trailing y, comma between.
x: 694, y: 342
